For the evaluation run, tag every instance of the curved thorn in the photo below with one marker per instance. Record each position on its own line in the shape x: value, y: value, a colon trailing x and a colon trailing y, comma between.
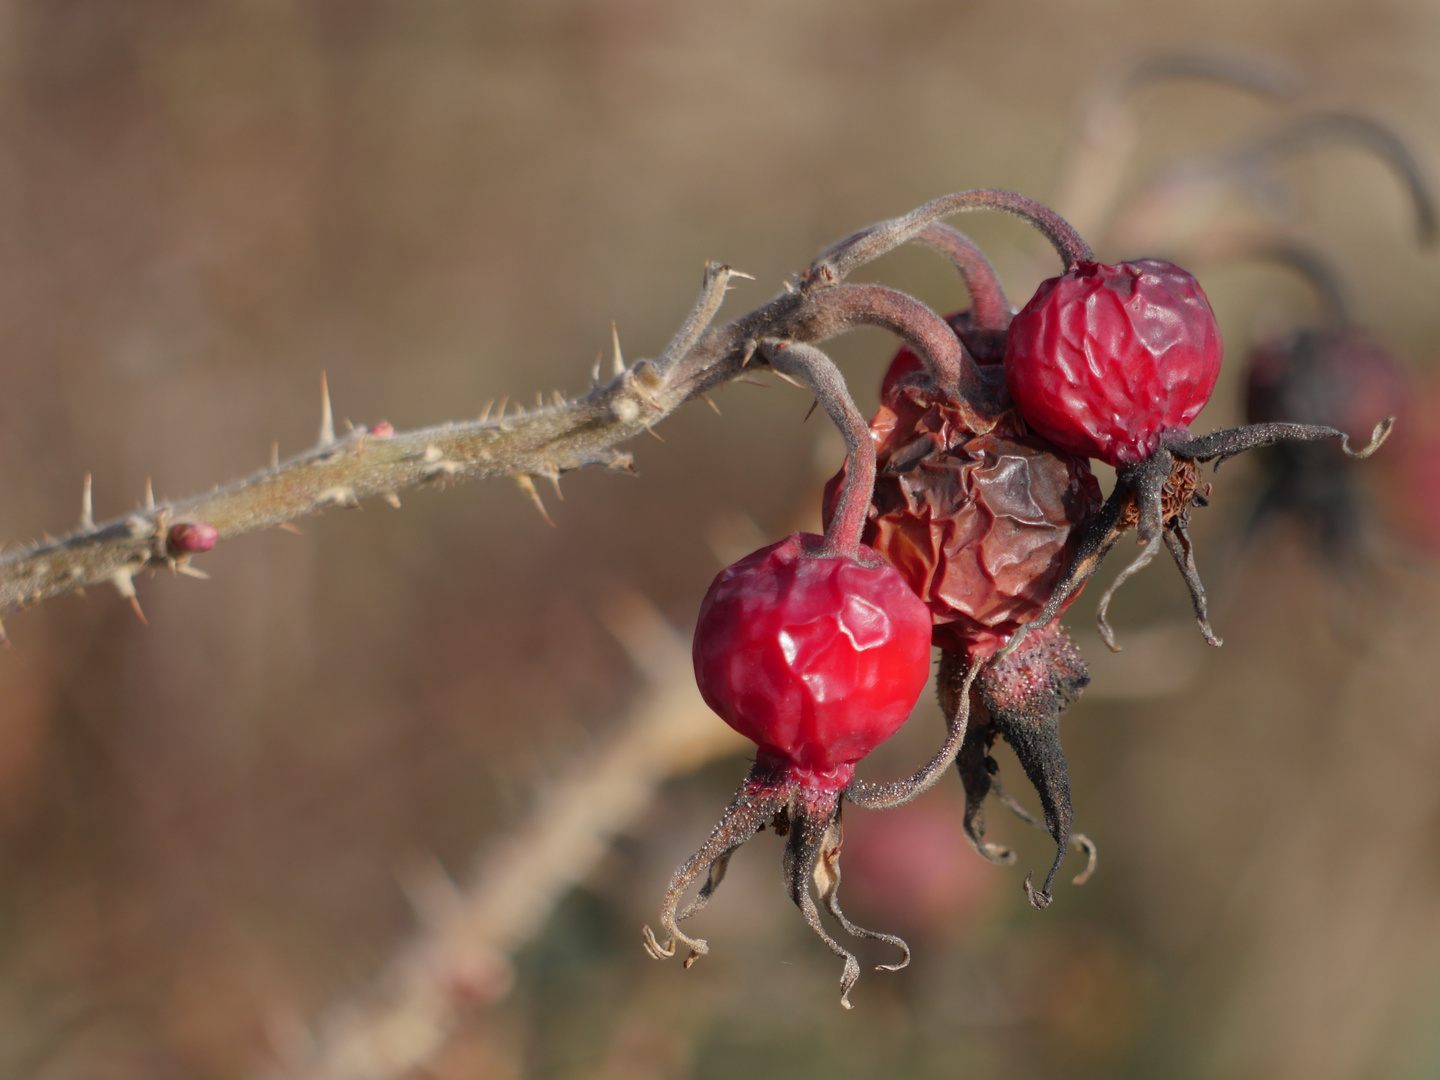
x: 1142, y: 560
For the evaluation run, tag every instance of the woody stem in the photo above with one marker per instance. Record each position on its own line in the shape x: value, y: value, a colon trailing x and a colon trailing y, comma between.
x: 828, y: 385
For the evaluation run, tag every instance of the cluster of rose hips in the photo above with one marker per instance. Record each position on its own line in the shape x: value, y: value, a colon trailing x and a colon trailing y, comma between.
x: 966, y: 517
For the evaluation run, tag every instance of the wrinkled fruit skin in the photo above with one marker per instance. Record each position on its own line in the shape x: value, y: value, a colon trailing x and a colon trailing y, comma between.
x: 980, y: 526
x: 1104, y: 360
x: 816, y: 659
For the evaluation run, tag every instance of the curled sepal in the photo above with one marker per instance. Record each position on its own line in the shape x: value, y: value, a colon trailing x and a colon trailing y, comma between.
x: 1079, y: 841
x: 827, y: 884
x: 1147, y: 553
x: 1025, y: 695
x: 810, y: 818
x: 955, y: 679
x: 1223, y: 445
x: 760, y: 797
x: 977, y: 773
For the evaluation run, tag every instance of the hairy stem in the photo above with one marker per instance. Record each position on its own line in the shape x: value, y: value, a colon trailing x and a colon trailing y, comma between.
x: 828, y: 385
x: 869, y: 244
x: 988, y: 302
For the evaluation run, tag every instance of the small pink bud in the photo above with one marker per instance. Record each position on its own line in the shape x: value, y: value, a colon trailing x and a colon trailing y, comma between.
x: 382, y: 429
x: 190, y: 537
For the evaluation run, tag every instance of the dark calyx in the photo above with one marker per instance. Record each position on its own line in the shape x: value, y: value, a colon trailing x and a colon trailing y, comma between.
x: 1023, y: 696
x: 1154, y: 497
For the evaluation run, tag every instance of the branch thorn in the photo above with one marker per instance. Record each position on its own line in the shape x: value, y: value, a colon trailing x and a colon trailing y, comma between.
x: 341, y: 495
x: 617, y: 362
x: 275, y: 454
x: 327, y: 417
x: 391, y: 498
x: 87, y: 509
x: 485, y: 414
x: 124, y: 582
x: 149, y: 494
x: 288, y: 527
x: 712, y: 404
x: 528, y: 487
x: 191, y: 571
x: 595, y: 371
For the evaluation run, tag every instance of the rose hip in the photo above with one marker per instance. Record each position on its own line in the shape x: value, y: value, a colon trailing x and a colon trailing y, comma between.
x: 1105, y: 360
x: 816, y: 659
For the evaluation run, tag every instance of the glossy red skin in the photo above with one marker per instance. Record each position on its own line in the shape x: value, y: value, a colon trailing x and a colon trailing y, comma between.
x: 815, y: 659
x: 1104, y: 360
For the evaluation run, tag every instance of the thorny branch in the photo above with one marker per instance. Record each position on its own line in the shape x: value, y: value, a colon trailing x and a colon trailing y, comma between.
x: 543, y: 442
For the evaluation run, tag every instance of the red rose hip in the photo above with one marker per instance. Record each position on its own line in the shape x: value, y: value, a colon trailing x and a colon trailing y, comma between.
x: 1104, y: 360
x: 817, y: 659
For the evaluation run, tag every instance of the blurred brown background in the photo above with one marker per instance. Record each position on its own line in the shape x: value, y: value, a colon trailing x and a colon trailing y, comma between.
x: 207, y: 826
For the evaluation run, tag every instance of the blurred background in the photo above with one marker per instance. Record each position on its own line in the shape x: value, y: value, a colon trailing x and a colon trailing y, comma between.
x: 230, y: 842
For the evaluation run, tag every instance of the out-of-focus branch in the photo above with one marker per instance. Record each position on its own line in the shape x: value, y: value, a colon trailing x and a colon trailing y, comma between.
x: 461, y: 958
x: 1094, y: 172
